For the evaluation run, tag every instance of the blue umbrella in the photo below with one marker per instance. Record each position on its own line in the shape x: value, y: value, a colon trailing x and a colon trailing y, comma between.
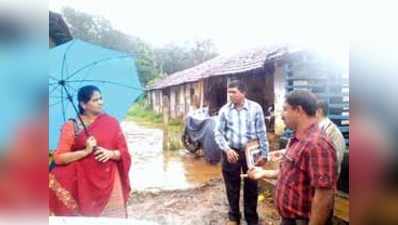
x: 78, y: 63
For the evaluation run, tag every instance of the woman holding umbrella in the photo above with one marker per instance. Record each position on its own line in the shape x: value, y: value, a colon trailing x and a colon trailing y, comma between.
x: 91, y: 177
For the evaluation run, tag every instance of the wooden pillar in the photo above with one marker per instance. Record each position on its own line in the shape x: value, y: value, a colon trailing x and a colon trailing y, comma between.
x: 228, y: 82
x: 165, y: 113
x: 172, y: 103
x: 181, y: 106
x: 166, y: 144
x: 187, y: 96
x: 161, y: 100
x: 201, y: 93
x: 280, y: 93
x: 157, y: 100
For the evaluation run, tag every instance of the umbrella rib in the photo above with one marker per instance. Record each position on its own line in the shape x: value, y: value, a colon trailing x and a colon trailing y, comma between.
x: 63, y: 106
x: 94, y: 63
x: 52, y: 91
x: 52, y: 77
x: 55, y: 103
x: 57, y: 97
x: 70, y: 86
x: 64, y: 59
x: 105, y: 81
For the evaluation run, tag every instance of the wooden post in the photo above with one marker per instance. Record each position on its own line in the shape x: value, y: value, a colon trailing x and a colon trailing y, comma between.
x: 279, y: 96
x: 166, y: 112
x: 228, y: 82
x: 201, y: 93
x: 166, y: 144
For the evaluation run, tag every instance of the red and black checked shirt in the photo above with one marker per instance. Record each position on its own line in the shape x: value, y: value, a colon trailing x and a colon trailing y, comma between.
x: 309, y: 163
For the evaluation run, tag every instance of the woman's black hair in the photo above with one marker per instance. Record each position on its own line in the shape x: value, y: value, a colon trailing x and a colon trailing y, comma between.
x: 84, y: 95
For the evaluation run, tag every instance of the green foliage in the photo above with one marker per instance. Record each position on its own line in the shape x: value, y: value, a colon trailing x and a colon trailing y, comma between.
x: 143, y: 115
x: 150, y: 62
x: 172, y: 57
x: 98, y: 30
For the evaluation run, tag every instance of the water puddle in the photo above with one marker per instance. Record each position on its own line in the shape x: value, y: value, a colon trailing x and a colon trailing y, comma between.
x: 155, y: 169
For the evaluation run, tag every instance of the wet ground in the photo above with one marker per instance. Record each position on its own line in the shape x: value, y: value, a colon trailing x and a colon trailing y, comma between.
x: 154, y: 169
x: 177, y: 187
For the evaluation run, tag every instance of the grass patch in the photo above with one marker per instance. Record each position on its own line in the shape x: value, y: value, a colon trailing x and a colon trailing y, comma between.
x: 144, y: 116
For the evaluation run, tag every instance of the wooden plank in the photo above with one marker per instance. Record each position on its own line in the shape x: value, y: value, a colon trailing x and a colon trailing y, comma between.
x: 342, y: 105
x: 338, y: 117
x: 201, y: 93
x: 341, y: 207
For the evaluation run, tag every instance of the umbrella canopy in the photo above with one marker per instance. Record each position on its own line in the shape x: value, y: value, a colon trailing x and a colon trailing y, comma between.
x: 78, y: 63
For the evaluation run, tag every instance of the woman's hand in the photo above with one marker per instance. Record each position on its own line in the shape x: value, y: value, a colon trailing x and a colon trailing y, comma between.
x: 91, y: 142
x: 103, y: 155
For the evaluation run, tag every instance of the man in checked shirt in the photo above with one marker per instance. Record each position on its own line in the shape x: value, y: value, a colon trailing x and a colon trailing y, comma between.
x: 304, y: 193
x: 239, y: 121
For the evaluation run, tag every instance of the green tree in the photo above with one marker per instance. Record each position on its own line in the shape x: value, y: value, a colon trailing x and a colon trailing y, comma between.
x: 172, y: 58
x: 150, y: 62
x: 98, y: 30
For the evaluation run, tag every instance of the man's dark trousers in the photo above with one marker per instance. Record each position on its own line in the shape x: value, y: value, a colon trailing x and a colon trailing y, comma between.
x: 231, y: 173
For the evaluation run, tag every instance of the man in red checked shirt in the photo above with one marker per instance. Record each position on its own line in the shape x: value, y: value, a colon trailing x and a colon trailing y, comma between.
x: 304, y: 193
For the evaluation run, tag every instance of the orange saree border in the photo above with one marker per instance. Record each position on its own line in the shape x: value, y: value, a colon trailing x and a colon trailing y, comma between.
x: 62, y: 194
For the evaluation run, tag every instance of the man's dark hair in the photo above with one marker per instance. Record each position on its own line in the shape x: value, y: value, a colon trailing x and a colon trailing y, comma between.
x: 239, y: 85
x: 322, y: 105
x: 306, y: 99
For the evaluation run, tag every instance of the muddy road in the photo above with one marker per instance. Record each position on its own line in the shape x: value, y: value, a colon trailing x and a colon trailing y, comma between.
x: 176, y: 187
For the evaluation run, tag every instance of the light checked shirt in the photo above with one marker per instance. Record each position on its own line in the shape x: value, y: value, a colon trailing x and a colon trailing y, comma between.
x: 236, y: 127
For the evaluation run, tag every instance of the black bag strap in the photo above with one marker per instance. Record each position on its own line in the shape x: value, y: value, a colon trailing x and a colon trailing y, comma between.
x: 76, y: 126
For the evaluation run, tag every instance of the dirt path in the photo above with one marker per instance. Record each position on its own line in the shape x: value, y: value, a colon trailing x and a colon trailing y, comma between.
x: 176, y: 188
x: 204, y: 205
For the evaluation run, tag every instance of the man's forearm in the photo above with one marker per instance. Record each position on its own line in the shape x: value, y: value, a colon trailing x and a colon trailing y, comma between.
x: 271, y: 174
x: 322, y: 206
x: 280, y: 151
x: 222, y: 144
x: 219, y: 135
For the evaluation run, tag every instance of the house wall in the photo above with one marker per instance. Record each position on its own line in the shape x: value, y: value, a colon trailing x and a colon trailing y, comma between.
x: 215, y: 93
x: 279, y: 97
x: 177, y: 101
x: 187, y: 97
x: 269, y: 87
x: 201, y: 92
x: 160, y: 93
x: 173, y: 102
x: 166, y: 101
x: 181, y: 101
x: 148, y: 99
x: 155, y: 101
x: 194, y: 95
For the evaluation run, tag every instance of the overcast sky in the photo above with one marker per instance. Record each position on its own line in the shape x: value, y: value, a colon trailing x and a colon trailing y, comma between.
x: 232, y: 25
